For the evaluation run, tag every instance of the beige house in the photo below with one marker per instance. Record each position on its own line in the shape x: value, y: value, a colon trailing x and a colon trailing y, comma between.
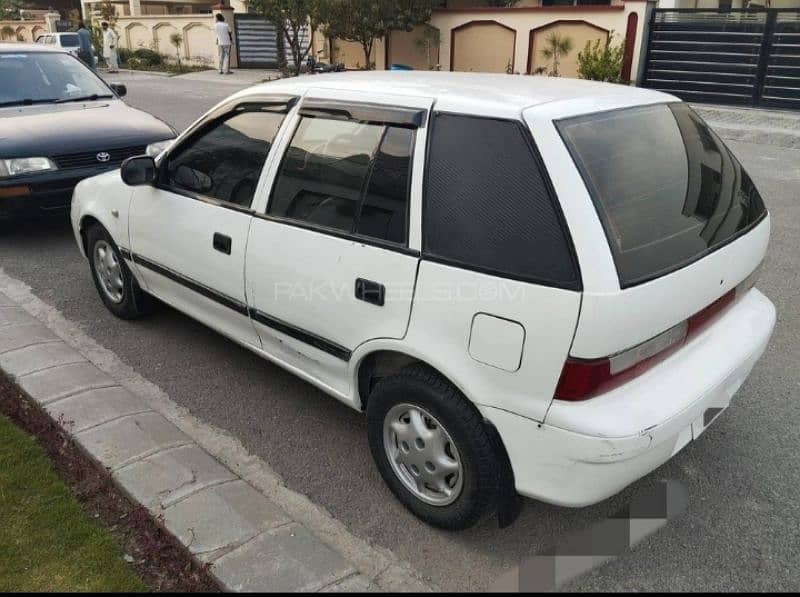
x: 135, y: 8
x: 465, y: 35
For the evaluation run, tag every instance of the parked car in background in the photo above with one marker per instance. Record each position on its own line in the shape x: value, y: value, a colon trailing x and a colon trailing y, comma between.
x: 538, y: 285
x: 63, y: 41
x: 61, y: 123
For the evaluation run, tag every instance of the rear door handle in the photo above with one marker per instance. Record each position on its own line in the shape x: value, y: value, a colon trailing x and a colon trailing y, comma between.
x: 222, y: 243
x: 370, y: 292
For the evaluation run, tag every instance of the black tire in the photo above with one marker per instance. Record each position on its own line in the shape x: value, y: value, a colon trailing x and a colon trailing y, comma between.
x: 135, y: 302
x: 419, y: 385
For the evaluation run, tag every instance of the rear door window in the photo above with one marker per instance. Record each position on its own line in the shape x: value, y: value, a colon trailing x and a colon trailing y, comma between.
x: 666, y: 188
x: 488, y: 205
x: 348, y: 176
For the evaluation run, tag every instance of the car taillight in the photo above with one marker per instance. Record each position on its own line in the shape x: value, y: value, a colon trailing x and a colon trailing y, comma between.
x: 582, y: 379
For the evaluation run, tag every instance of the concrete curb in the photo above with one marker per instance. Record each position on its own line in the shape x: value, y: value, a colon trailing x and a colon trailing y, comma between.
x: 254, y: 539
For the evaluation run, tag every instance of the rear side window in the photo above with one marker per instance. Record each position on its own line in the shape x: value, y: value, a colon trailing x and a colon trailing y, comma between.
x: 487, y: 205
x: 347, y: 176
x: 70, y: 41
x: 666, y: 188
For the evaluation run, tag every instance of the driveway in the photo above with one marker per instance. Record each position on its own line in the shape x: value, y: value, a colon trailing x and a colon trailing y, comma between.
x: 741, y: 530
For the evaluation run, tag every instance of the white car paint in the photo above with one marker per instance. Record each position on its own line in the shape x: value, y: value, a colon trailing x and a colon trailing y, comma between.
x: 56, y: 40
x: 565, y: 453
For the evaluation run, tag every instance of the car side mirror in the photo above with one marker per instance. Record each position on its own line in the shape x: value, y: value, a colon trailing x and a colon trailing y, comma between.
x: 138, y: 170
x: 118, y: 88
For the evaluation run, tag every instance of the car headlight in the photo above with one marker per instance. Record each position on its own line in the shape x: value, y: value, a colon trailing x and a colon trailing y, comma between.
x: 18, y: 166
x: 156, y: 148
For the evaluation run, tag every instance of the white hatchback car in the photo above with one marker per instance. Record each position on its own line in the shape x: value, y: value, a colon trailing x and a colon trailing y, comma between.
x: 532, y: 286
x: 65, y: 41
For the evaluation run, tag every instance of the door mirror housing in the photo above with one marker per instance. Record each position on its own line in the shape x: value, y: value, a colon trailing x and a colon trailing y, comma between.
x: 118, y: 88
x: 139, y: 170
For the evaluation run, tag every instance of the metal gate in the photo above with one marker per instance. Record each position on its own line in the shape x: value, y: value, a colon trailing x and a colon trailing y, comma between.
x: 746, y: 57
x: 256, y: 42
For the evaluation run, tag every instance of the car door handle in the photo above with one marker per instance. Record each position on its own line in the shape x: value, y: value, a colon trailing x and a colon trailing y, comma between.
x: 370, y: 292
x: 222, y: 243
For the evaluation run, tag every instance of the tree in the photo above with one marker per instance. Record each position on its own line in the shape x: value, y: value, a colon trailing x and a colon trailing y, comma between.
x: 291, y: 17
x: 602, y: 62
x: 555, y: 48
x: 9, y: 9
x: 428, y: 39
x: 364, y: 21
x: 176, y: 39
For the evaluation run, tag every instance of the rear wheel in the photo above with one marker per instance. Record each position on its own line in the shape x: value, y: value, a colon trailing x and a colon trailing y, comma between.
x: 431, y: 448
x: 117, y: 287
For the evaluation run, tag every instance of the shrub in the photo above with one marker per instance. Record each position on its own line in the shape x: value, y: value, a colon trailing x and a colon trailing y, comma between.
x: 148, y: 57
x: 124, y: 55
x: 600, y: 61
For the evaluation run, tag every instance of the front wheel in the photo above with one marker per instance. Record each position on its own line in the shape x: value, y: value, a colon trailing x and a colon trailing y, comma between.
x: 432, y: 449
x: 117, y: 287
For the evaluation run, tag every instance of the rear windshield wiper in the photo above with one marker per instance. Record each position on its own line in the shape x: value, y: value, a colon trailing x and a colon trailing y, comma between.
x: 27, y: 102
x: 84, y: 98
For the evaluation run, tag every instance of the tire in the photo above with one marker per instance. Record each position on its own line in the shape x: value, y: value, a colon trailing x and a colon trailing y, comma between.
x: 133, y: 301
x: 423, y: 388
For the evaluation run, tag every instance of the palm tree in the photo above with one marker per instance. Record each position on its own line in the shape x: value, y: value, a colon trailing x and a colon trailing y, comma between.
x: 556, y: 48
x: 176, y: 39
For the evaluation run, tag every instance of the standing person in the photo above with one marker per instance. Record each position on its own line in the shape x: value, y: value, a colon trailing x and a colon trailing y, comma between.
x: 86, y: 54
x: 109, y: 47
x: 224, y: 41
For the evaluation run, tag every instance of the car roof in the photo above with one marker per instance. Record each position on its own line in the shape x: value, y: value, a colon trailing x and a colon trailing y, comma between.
x: 26, y: 48
x: 471, y: 93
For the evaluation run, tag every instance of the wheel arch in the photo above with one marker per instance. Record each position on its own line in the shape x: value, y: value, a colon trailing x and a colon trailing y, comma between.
x: 385, y: 358
x: 86, y: 222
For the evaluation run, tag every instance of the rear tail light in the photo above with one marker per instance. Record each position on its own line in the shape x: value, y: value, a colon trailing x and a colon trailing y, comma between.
x: 582, y: 379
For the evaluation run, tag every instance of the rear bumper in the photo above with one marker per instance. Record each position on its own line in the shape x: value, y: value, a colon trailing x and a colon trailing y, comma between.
x: 587, y: 452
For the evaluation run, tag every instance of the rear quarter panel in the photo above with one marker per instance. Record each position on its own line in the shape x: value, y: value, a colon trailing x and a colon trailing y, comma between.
x: 446, y: 301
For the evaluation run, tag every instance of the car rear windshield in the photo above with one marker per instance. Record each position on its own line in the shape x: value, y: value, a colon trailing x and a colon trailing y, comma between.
x: 70, y: 41
x: 666, y: 188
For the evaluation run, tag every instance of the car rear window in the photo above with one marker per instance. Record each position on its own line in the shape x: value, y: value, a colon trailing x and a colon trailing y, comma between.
x: 488, y: 205
x: 70, y: 41
x: 666, y: 188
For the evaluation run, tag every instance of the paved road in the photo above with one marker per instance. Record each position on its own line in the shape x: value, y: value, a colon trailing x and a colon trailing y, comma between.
x: 741, y: 530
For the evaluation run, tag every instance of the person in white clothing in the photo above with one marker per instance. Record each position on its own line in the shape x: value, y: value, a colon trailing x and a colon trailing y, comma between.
x: 224, y: 41
x: 110, y: 47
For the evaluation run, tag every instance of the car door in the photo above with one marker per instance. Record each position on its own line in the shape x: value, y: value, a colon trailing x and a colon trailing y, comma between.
x: 188, y: 232
x: 332, y: 259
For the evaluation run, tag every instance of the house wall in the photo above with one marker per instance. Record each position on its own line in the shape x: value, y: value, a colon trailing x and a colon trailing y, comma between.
x: 403, y: 49
x: 352, y: 54
x: 482, y: 46
x: 24, y: 31
x: 153, y: 32
x: 580, y: 32
x: 523, y: 20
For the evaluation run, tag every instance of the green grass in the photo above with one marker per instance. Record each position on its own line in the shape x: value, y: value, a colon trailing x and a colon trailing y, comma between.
x: 47, y: 542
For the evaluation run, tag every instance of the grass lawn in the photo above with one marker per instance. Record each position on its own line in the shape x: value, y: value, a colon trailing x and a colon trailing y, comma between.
x: 47, y: 541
